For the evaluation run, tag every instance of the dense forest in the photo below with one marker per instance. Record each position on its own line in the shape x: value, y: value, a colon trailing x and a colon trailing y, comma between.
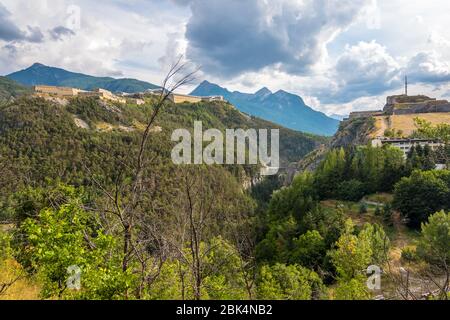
x: 90, y: 213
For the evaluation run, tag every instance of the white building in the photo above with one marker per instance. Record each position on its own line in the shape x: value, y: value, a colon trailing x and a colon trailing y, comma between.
x: 406, y: 144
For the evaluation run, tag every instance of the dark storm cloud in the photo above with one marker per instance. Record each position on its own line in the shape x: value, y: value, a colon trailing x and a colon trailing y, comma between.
x: 231, y: 37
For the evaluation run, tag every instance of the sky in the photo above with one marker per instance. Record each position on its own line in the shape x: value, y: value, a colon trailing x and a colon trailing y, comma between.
x: 338, y: 55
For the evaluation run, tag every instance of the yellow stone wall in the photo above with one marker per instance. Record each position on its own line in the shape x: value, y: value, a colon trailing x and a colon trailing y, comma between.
x: 179, y: 98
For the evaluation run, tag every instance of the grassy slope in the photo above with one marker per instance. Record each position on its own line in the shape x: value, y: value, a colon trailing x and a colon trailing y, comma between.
x: 405, y: 122
x: 25, y: 288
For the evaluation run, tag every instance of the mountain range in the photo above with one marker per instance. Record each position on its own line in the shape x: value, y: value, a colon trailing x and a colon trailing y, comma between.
x: 284, y: 108
x: 281, y: 107
x: 39, y: 74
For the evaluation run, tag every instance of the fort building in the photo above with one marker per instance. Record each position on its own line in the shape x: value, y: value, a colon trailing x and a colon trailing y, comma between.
x: 66, y: 92
x: 137, y: 101
x: 63, y: 92
x: 181, y: 98
x: 213, y: 98
x: 364, y: 114
x: 103, y: 95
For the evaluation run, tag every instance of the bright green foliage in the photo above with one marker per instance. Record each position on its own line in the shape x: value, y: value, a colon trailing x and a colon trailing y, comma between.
x: 293, y: 211
x: 330, y: 173
x: 30, y: 201
x: 409, y: 254
x: 68, y: 237
x: 330, y: 224
x: 422, y: 194
x: 352, y: 255
x: 426, y: 129
x: 354, y: 289
x: 434, y: 244
x: 378, y: 242
x: 294, y: 200
x: 5, y: 245
x: 223, y: 268
x: 286, y: 209
x: 378, y: 168
x: 169, y: 283
x: 350, y: 174
x: 293, y: 282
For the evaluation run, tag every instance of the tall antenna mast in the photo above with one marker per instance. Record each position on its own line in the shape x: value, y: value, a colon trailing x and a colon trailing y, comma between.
x: 406, y: 85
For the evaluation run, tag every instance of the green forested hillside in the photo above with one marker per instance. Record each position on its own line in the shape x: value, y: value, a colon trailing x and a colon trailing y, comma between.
x: 39, y: 139
x: 68, y: 171
x: 80, y: 198
x: 9, y: 88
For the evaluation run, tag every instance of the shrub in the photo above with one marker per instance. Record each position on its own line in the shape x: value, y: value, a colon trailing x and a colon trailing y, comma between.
x: 362, y: 207
x: 409, y: 254
x: 352, y: 190
x: 387, y: 213
x: 421, y: 195
x: 377, y: 211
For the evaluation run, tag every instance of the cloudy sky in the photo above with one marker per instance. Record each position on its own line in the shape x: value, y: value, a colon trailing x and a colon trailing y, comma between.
x: 339, y: 55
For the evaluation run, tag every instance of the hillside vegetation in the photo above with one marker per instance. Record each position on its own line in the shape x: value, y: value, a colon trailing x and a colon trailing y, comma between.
x: 40, y: 140
x: 95, y: 212
x: 10, y: 88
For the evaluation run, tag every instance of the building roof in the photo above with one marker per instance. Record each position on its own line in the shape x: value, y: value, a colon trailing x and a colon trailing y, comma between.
x: 394, y: 140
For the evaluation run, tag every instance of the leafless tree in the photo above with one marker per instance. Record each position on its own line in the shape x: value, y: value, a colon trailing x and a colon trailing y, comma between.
x: 125, y: 198
x: 204, y: 206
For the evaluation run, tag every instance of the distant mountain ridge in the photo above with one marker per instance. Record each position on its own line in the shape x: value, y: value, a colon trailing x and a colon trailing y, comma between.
x: 39, y: 74
x: 281, y: 107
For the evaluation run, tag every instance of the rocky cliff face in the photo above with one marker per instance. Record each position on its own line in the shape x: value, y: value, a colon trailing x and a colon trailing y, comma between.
x: 353, y: 132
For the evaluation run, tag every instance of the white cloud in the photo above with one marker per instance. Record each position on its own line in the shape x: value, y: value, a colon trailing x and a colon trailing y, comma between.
x: 365, y: 69
x: 111, y: 40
